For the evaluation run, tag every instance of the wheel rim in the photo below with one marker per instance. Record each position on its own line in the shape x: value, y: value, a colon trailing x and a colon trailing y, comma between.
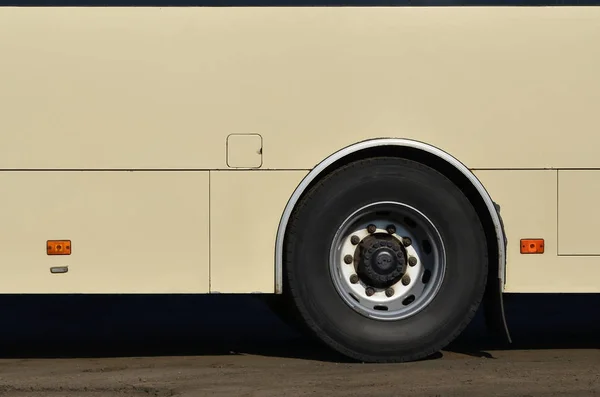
x: 387, y: 273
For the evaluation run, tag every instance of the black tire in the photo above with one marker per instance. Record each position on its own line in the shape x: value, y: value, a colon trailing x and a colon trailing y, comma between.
x: 311, y: 230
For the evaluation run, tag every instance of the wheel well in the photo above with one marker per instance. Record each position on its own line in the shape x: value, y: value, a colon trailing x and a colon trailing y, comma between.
x: 443, y: 167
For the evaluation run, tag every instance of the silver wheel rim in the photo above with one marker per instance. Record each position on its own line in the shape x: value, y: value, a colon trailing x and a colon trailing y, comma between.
x: 421, y: 276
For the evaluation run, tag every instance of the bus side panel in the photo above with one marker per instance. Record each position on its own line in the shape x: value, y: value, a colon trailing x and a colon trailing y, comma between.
x: 578, y: 215
x: 245, y: 210
x: 529, y: 208
x: 109, y: 89
x: 131, y: 232
x: 496, y: 87
x: 133, y: 87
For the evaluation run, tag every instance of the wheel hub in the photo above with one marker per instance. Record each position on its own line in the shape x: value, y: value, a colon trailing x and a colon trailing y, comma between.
x: 381, y: 260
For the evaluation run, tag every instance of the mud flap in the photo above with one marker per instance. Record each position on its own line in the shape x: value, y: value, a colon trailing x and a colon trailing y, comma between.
x: 495, y: 318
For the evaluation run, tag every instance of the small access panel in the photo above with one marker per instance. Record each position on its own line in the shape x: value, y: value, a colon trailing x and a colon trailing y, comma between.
x: 578, y: 215
x: 244, y: 151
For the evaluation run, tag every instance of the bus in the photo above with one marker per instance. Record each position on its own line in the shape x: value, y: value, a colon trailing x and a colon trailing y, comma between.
x: 382, y: 172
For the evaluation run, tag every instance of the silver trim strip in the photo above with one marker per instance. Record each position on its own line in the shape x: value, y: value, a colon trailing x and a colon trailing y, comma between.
x: 316, y: 171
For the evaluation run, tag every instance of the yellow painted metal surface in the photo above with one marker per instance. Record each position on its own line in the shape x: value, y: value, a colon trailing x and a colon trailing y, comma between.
x: 141, y: 232
x: 245, y: 210
x: 579, y: 213
x: 528, y: 200
x: 497, y: 87
x: 161, y: 89
x: 244, y: 151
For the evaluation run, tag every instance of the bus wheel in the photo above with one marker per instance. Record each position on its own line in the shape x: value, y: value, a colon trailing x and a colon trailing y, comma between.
x: 386, y: 260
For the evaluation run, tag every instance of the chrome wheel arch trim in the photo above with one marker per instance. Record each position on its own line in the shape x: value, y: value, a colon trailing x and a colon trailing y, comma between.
x: 379, y: 142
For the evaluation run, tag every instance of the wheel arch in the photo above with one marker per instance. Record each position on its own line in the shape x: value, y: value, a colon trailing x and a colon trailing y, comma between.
x: 429, y: 155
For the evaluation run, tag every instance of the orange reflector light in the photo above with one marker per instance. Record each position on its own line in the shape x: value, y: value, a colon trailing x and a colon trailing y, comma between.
x: 58, y: 247
x: 532, y: 246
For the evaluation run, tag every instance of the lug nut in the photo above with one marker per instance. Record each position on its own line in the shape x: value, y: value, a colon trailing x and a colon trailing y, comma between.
x: 406, y: 279
x: 412, y: 261
x: 391, y: 229
x: 354, y: 279
x: 355, y: 240
x: 406, y: 241
x: 389, y: 292
x: 370, y: 291
x: 371, y: 228
x: 348, y: 259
